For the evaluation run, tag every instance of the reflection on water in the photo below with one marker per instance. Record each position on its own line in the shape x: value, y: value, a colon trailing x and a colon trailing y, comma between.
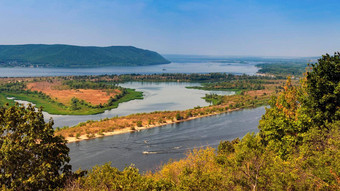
x: 157, y: 97
x: 150, y: 148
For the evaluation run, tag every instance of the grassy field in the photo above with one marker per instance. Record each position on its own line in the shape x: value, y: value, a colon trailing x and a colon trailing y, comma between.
x: 50, y: 94
x: 4, y: 100
x: 53, y: 107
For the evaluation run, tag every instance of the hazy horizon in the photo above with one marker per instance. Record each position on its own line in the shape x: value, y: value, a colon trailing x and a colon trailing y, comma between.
x: 194, y: 27
x: 189, y: 55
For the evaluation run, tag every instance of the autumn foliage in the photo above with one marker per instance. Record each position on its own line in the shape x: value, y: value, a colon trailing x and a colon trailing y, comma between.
x: 297, y: 147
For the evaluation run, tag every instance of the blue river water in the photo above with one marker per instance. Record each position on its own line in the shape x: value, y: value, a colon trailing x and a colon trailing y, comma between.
x: 150, y: 148
x: 205, y: 67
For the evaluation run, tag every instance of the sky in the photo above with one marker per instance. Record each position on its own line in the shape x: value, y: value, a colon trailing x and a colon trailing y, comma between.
x: 196, y: 27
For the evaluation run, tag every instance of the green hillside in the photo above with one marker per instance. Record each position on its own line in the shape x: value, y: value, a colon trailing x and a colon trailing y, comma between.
x: 39, y: 55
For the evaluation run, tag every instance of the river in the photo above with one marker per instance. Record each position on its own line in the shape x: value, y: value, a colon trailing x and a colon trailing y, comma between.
x: 174, y: 67
x: 163, y: 143
x: 158, y: 96
x: 150, y: 148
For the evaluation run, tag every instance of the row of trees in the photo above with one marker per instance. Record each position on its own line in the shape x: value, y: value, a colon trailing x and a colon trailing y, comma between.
x: 211, y: 77
x: 236, y: 84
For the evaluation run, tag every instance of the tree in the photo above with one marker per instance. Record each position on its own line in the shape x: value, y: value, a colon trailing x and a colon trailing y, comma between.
x: 75, y: 104
x: 298, y: 109
x: 323, y: 90
x: 31, y: 157
x: 282, y: 126
x: 178, y: 116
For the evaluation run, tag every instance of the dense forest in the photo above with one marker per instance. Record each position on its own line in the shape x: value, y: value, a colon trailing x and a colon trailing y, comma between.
x: 297, y: 148
x: 69, y: 56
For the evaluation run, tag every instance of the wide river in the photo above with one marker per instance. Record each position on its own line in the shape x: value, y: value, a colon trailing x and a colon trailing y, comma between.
x: 163, y: 143
x: 150, y: 148
x: 174, y: 67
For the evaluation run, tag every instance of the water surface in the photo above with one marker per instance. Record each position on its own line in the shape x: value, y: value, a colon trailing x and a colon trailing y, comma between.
x: 163, y: 143
x: 162, y: 96
x: 204, y: 67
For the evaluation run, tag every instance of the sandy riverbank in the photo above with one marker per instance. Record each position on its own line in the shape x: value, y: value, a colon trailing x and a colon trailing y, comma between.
x: 129, y: 130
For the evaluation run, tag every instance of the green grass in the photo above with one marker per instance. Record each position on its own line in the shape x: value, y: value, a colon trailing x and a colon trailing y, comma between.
x: 4, y: 100
x: 52, y: 107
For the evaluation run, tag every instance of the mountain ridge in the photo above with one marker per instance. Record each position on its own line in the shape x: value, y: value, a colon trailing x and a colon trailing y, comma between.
x: 72, y: 56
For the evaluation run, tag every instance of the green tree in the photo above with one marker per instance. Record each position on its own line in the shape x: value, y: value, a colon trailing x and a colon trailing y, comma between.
x: 298, y: 109
x: 323, y: 90
x: 282, y: 127
x: 75, y: 104
x: 178, y: 116
x: 31, y: 157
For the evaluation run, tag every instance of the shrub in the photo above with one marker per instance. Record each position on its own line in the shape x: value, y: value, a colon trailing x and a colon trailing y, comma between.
x: 139, y: 124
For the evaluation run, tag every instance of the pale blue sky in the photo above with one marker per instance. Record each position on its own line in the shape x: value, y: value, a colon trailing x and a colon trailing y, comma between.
x: 205, y: 27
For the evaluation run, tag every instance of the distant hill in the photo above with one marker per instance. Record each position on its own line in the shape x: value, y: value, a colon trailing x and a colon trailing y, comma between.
x: 40, y: 55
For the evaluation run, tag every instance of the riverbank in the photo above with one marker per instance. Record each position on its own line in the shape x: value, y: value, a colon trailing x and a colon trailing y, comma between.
x: 134, y: 122
x: 136, y: 128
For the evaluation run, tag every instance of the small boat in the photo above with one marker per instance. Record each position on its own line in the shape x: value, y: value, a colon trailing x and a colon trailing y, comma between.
x: 148, y: 152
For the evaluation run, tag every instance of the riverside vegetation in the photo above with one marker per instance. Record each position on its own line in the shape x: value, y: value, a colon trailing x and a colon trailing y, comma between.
x: 248, y: 97
x: 84, y: 95
x: 297, y: 148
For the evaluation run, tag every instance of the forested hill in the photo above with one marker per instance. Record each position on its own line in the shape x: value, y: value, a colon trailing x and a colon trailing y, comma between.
x: 40, y: 55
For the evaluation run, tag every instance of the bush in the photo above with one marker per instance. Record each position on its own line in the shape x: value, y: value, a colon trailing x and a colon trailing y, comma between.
x: 139, y: 124
x: 178, y: 116
x: 110, y: 178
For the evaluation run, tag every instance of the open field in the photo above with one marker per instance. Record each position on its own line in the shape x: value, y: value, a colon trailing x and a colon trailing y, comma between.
x: 59, y: 95
x: 59, y: 109
x: 62, y: 94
